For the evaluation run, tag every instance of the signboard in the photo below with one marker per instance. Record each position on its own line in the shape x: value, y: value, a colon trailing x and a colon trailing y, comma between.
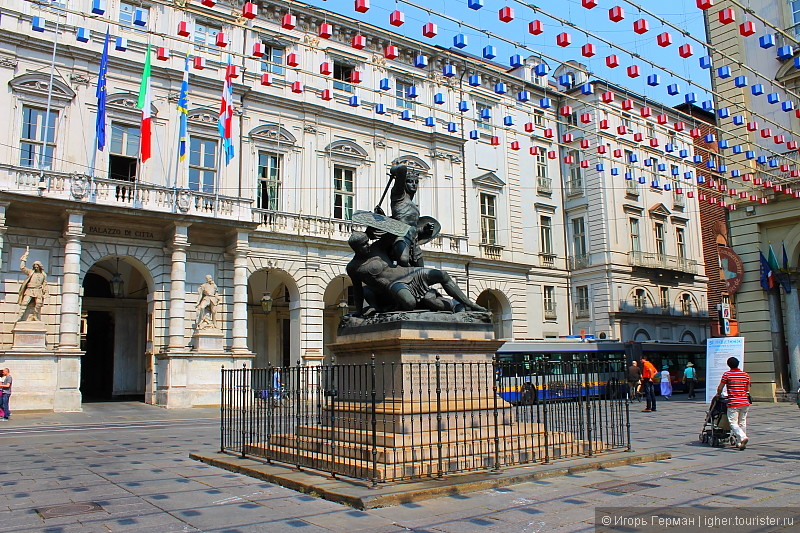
x: 731, y: 268
x: 717, y: 353
x: 724, y: 319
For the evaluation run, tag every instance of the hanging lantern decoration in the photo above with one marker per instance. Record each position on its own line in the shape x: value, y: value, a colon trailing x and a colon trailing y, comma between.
x: 638, y: 137
x: 120, y: 44
x: 727, y: 15
x: 82, y: 35
x: 199, y: 63
x: 448, y: 71
x: 140, y: 17
x: 475, y: 4
x: 641, y: 26
x: 747, y: 28
x: 420, y: 61
x: 326, y: 69
x: 222, y: 40
x: 664, y: 39
x: 607, y: 97
x: 326, y: 94
x: 589, y: 4
x: 397, y: 18
x: 548, y: 132
x: 362, y: 6
x: 588, y: 50
x: 633, y: 71
x: 506, y: 14
x: 430, y: 30
x: 616, y: 13
x: 266, y: 79
x: 37, y: 24
x: 515, y: 61
x: 552, y: 154
x: 292, y: 60
x: 208, y: 3
x: 766, y: 41
x: 297, y: 87
x: 563, y: 39
x: 515, y: 145
x: 162, y: 53
x: 325, y: 30
x: 612, y: 61
x: 604, y: 124
x: 585, y: 143
x: 601, y: 148
x: 489, y: 52
x: 98, y: 7
x: 233, y: 71
x: 380, y: 109
x: 645, y: 111
x: 183, y: 29
x: 249, y: 10
x: 705, y: 4
x: 627, y: 104
x: 529, y: 127
x: 568, y: 138
x: 289, y: 21
x: 391, y: 52
x: 353, y: 101
x: 495, y: 140
x: 359, y: 42
x: 535, y: 27
x: 685, y: 50
x: 586, y: 118
x: 460, y: 41
x: 438, y: 98
x: 500, y: 88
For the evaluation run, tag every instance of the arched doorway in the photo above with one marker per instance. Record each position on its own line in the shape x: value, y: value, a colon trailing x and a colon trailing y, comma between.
x: 273, y: 328
x: 497, y: 303
x: 114, y: 330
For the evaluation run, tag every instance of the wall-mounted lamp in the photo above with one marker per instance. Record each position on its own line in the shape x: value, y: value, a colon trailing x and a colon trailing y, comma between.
x: 266, y: 300
x: 344, y: 307
x: 117, y: 284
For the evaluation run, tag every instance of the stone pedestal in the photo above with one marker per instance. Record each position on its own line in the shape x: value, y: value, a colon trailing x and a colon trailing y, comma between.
x: 210, y: 340
x: 29, y: 336
x: 412, y: 398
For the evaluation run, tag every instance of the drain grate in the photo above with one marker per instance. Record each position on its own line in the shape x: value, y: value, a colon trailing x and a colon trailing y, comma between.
x: 621, y: 486
x: 69, y: 509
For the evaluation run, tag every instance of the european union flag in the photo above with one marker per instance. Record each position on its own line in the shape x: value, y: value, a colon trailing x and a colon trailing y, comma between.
x: 100, y: 129
x: 183, y: 110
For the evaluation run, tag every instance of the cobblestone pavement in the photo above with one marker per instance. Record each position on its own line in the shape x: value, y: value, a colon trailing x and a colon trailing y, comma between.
x: 132, y: 460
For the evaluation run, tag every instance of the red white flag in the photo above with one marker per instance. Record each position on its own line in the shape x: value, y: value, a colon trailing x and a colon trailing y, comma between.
x: 144, y: 103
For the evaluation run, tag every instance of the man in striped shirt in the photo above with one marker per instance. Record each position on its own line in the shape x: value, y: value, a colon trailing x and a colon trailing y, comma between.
x: 738, y: 383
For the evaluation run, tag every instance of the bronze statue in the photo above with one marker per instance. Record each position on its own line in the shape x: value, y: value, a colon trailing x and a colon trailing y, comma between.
x: 34, y: 288
x: 398, y: 288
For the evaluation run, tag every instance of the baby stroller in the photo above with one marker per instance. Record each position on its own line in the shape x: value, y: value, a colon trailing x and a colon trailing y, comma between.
x: 716, y: 429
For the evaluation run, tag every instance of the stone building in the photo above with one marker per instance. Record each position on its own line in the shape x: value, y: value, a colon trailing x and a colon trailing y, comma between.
x: 127, y: 244
x: 762, y: 89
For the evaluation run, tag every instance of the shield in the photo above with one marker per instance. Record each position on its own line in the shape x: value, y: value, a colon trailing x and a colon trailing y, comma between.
x: 381, y: 222
x: 422, y: 222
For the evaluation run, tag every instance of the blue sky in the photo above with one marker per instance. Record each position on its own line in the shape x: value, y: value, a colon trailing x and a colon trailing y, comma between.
x: 483, y: 27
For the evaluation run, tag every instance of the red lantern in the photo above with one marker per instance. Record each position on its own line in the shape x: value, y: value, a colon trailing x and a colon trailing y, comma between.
x: 743, y: 195
x: 325, y: 68
x: 249, y: 10
x: 534, y: 150
x: 585, y: 163
x: 565, y: 111
x: 535, y: 27
x: 791, y: 145
x: 529, y: 127
x: 199, y: 63
x: 585, y: 143
x: 679, y: 126
x: 297, y: 87
x: 552, y: 154
x: 208, y: 3
x: 183, y: 29
x: 645, y: 111
x: 589, y: 4
x: 362, y: 6
x: 763, y: 200
x: 664, y: 39
x: 586, y: 118
x: 607, y: 97
x: 258, y: 49
x: 563, y: 39
x: 588, y: 50
x: 289, y: 21
x: 391, y: 52
x: 548, y: 132
x: 747, y: 28
x: 232, y: 71
x: 766, y: 132
x: 222, y: 40
x: 726, y: 16
x: 430, y: 30
x: 622, y: 130
x: 638, y: 137
x: 325, y: 30
x: 779, y: 139
x: 356, y: 76
x: 515, y: 145
x: 495, y: 140
x: 689, y: 194
x: 633, y: 71
x: 601, y: 148
x: 397, y: 18
x: 569, y: 159
x: 705, y: 4
x: 617, y: 153
x: 616, y: 13
x: 641, y: 26
x: 162, y: 53
x: 695, y: 132
x: 568, y: 138
x: 604, y: 124
x: 747, y: 177
x: 266, y: 79
x: 654, y: 143
x: 752, y: 126
x: 612, y: 61
x: 662, y: 119
x: 326, y: 94
x: 359, y: 41
x: 685, y: 50
x: 506, y: 14
x: 292, y: 60
x: 627, y: 104
x: 794, y: 174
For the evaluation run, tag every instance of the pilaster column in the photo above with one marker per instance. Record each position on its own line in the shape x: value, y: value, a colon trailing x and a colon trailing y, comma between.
x: 177, y: 289
x: 239, y: 250
x: 69, y: 338
x: 793, y: 335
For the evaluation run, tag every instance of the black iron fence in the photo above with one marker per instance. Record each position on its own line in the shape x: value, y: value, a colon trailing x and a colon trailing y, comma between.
x: 390, y: 421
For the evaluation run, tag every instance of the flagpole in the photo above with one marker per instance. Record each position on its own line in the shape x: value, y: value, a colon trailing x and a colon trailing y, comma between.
x: 40, y: 160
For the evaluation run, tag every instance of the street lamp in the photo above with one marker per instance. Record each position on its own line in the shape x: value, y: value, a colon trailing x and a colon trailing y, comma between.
x: 344, y: 307
x: 266, y: 300
x: 117, y: 284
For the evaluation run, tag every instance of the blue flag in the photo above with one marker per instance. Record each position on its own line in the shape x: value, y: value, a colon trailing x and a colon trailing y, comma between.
x: 767, y: 279
x: 785, y: 257
x: 183, y: 110
x: 786, y: 280
x: 100, y: 129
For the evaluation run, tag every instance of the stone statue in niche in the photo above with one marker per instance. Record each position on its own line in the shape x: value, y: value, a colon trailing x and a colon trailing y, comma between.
x: 33, y: 289
x: 388, y: 271
x: 207, y: 302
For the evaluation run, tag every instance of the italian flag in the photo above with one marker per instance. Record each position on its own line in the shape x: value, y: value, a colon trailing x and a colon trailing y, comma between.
x: 145, y: 98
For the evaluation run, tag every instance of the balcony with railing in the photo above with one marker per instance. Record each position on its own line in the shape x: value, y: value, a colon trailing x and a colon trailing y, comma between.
x: 581, y: 310
x: 116, y: 193
x: 544, y: 185
x: 550, y: 310
x: 577, y: 262
x: 638, y: 306
x: 662, y: 262
x: 574, y: 188
x: 492, y: 251
x: 547, y: 260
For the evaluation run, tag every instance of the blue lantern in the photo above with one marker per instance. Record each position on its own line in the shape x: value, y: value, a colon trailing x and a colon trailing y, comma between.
x: 705, y: 62
x: 140, y: 17
x: 500, y: 88
x: 738, y: 149
x: 787, y: 105
x: 633, y: 158
x: 508, y: 120
x: 723, y: 112
x: 723, y: 168
x: 667, y: 187
x: 565, y: 80
x: 785, y: 52
x: 121, y: 44
x: 460, y: 41
x: 430, y: 122
x: 750, y: 154
x: 438, y: 98
x: 545, y: 103
x: 412, y: 91
x: 673, y: 89
x: 474, y: 80
x: 615, y: 172
x: 709, y: 138
x: 653, y: 80
x: 405, y: 115
x: 697, y: 158
x: 773, y: 98
x: 773, y: 163
x: 700, y: 179
x: 587, y: 88
x: 473, y: 134
x: 451, y: 127
x: 766, y: 41
x: 448, y: 71
x: 722, y: 144
x: 683, y: 153
x: 738, y: 120
x: 380, y: 109
x: 463, y: 105
x: 690, y: 98
x: 489, y: 52
x: 629, y: 175
x: 675, y: 171
x: 740, y: 81
x: 98, y: 7
x: 475, y: 4
x: 761, y: 160
x: 642, y: 179
x: 599, y: 167
x: 797, y: 62
x: 353, y: 100
x: 523, y: 96
x: 708, y: 106
x: 515, y: 61
x: 648, y: 162
x: 710, y: 164
x: 662, y: 167
x: 485, y: 113
x: 669, y: 147
x: 735, y: 173
x: 385, y: 84
x: 687, y: 175
x: 82, y: 35
x: 421, y: 61
x: 541, y: 69
x: 37, y: 24
x: 724, y: 72
x: 757, y: 89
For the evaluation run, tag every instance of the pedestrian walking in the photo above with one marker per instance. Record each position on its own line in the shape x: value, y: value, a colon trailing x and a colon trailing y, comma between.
x: 738, y: 384
x: 666, y: 383
x: 690, y: 379
x: 634, y: 381
x: 648, y: 374
x: 5, y: 392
